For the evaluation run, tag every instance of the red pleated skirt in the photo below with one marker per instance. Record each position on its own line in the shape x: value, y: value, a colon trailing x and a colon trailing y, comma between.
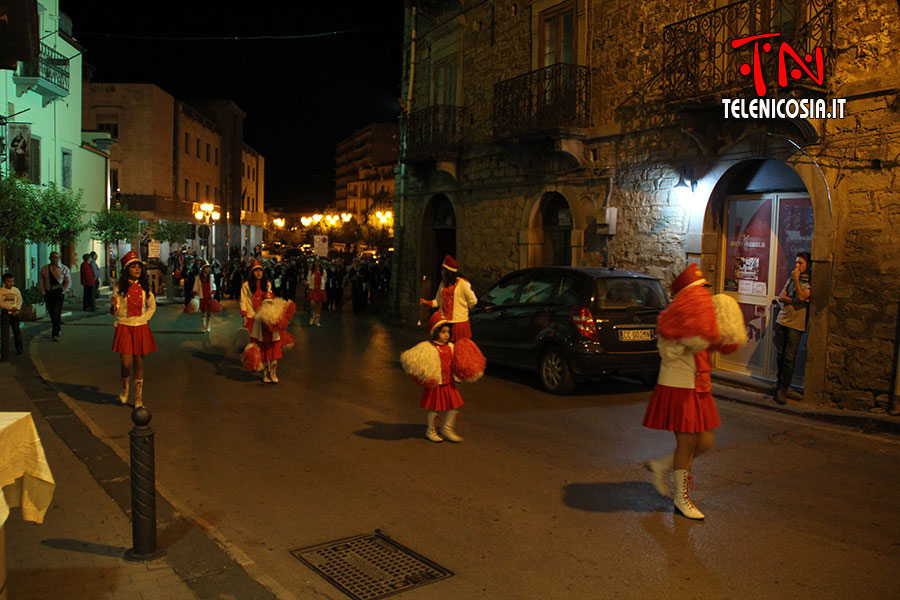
x: 134, y: 339
x: 442, y: 397
x: 681, y: 410
x: 210, y: 304
x: 317, y: 295
x: 271, y: 349
x: 460, y: 331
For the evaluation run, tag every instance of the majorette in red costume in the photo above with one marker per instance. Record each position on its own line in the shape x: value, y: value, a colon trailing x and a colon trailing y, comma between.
x: 694, y: 324
x: 204, y: 290
x: 437, y: 365
x: 133, y: 304
x: 267, y: 318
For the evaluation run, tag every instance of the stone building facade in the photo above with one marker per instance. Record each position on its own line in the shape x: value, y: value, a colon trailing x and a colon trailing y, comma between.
x: 170, y: 157
x: 581, y: 132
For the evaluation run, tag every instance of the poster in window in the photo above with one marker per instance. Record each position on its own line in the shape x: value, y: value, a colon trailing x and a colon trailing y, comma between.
x: 747, y: 243
x: 19, y: 150
x: 746, y: 267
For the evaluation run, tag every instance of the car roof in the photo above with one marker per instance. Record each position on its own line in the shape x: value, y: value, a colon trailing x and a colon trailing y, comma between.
x: 594, y: 272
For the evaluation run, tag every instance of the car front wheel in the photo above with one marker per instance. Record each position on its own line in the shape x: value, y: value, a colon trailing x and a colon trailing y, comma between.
x: 556, y: 377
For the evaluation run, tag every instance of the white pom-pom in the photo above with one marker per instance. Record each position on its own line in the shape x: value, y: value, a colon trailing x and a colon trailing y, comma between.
x: 422, y: 362
x: 730, y: 320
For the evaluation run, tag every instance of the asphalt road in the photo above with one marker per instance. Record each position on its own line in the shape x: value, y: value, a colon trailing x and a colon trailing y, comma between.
x: 546, y: 498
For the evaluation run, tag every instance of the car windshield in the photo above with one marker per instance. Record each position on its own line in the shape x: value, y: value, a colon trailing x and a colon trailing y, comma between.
x: 631, y: 292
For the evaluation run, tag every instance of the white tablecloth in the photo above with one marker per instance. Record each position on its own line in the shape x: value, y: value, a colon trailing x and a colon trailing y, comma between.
x: 24, y: 473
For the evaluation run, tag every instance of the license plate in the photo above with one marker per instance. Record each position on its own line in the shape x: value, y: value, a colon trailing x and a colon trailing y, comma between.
x: 636, y: 335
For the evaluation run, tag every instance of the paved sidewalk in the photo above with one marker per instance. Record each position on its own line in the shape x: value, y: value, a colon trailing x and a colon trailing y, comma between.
x: 76, y: 553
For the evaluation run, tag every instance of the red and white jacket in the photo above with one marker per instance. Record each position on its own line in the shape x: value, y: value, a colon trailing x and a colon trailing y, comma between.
x: 463, y: 299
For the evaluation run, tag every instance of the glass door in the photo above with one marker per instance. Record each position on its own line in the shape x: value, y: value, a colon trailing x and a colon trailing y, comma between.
x: 762, y: 236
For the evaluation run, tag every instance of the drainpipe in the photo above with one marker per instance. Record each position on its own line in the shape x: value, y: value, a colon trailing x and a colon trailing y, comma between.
x: 894, y: 400
x: 398, y: 248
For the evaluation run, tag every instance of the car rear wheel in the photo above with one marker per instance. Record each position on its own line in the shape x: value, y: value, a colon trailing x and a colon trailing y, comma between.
x: 556, y: 377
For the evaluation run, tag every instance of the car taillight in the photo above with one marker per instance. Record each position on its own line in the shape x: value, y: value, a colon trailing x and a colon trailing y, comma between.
x: 584, y: 322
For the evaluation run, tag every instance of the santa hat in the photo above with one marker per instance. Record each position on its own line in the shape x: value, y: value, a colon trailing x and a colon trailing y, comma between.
x: 203, y: 263
x: 450, y: 264
x: 255, y: 265
x: 437, y: 319
x: 129, y: 258
x: 689, y: 277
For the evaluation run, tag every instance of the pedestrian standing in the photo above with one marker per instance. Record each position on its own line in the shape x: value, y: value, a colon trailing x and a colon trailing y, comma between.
x: 791, y: 323
x: 97, y: 277
x: 433, y: 365
x: 133, y: 304
x: 54, y: 282
x: 87, y: 284
x: 682, y: 402
x: 204, y: 295
x: 189, y: 273
x: 11, y: 303
x: 316, y: 280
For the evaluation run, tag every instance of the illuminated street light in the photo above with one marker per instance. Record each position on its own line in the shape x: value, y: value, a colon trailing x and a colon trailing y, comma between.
x: 278, y: 222
x: 346, y: 217
x: 205, y: 215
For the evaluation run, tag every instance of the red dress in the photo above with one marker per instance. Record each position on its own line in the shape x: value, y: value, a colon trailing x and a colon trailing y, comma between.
x: 316, y: 292
x: 444, y: 396
x: 207, y: 302
x: 461, y: 330
x: 257, y: 300
x: 133, y: 339
x: 685, y: 410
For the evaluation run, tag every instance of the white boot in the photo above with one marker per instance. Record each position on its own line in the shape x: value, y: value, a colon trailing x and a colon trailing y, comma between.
x: 138, y: 392
x: 267, y: 376
x: 683, y: 485
x: 430, y: 432
x: 318, y: 320
x: 123, y: 395
x: 312, y: 319
x: 272, y: 368
x: 447, y: 427
x: 206, y: 323
x: 662, y: 468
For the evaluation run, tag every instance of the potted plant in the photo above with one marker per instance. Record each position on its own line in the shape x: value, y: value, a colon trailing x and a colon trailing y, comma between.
x: 33, y: 307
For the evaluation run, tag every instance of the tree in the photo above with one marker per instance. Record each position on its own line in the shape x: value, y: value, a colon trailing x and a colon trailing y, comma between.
x: 174, y: 232
x: 59, y: 215
x: 114, y: 225
x: 17, y: 214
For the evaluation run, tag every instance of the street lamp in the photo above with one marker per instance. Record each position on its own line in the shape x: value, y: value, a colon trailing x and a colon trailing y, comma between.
x: 206, y: 215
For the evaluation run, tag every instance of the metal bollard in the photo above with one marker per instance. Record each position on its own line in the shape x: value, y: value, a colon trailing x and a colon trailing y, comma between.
x: 143, y: 489
x: 4, y: 335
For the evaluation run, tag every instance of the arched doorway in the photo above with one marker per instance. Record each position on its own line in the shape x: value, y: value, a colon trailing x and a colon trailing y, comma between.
x: 438, y: 240
x: 553, y: 222
x: 766, y: 217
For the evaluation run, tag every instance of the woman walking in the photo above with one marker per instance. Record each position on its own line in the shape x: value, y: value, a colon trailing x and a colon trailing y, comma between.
x: 682, y: 402
x: 316, y: 280
x: 133, y: 304
x: 204, y: 294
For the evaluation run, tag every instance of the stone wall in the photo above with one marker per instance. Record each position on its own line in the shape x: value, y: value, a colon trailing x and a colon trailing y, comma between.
x: 637, y: 145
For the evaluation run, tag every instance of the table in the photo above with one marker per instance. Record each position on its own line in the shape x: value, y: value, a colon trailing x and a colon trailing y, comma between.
x: 24, y: 476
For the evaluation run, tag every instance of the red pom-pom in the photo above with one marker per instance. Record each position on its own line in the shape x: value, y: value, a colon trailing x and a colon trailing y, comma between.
x: 286, y: 316
x: 468, y: 361
x: 287, y: 340
x: 691, y: 315
x: 213, y: 306
x: 192, y: 307
x: 252, y: 358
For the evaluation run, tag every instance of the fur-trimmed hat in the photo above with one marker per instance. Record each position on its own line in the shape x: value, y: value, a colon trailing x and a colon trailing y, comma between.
x: 129, y: 258
x: 450, y: 264
x: 437, y: 319
x: 689, y: 277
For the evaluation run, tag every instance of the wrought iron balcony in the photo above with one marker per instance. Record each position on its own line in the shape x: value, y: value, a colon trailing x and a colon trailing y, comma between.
x: 432, y: 133
x: 701, y: 66
x: 47, y: 74
x: 547, y: 101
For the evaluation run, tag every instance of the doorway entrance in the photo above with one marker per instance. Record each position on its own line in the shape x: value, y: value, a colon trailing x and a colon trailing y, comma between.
x: 438, y: 240
x: 763, y: 233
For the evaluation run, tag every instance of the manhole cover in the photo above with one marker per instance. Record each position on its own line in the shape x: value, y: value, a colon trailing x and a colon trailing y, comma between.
x: 370, y: 566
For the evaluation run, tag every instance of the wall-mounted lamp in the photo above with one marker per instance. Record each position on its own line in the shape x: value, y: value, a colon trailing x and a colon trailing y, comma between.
x: 686, y: 178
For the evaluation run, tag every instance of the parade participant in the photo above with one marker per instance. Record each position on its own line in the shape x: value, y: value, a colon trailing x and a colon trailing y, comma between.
x: 11, y: 303
x: 693, y: 324
x: 435, y: 365
x: 204, y: 293
x: 133, y: 303
x: 316, y: 280
x: 54, y: 282
x: 791, y: 323
x: 252, y: 293
x: 269, y: 336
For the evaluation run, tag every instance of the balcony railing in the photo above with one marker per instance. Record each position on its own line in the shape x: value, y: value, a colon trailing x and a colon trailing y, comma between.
x: 432, y: 133
x: 700, y: 64
x: 550, y: 99
x: 49, y: 67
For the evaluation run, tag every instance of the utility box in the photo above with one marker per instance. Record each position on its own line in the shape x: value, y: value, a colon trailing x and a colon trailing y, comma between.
x: 606, y: 220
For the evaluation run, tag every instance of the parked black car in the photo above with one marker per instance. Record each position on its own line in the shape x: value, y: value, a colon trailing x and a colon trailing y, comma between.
x: 571, y: 323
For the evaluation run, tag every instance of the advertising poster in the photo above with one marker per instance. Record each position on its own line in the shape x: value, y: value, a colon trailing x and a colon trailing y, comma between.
x: 19, y: 150
x: 320, y: 245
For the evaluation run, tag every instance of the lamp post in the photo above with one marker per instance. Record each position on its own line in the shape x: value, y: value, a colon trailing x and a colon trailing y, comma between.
x: 206, y: 215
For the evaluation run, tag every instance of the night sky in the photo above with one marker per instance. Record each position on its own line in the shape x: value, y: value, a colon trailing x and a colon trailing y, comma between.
x: 301, y: 96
